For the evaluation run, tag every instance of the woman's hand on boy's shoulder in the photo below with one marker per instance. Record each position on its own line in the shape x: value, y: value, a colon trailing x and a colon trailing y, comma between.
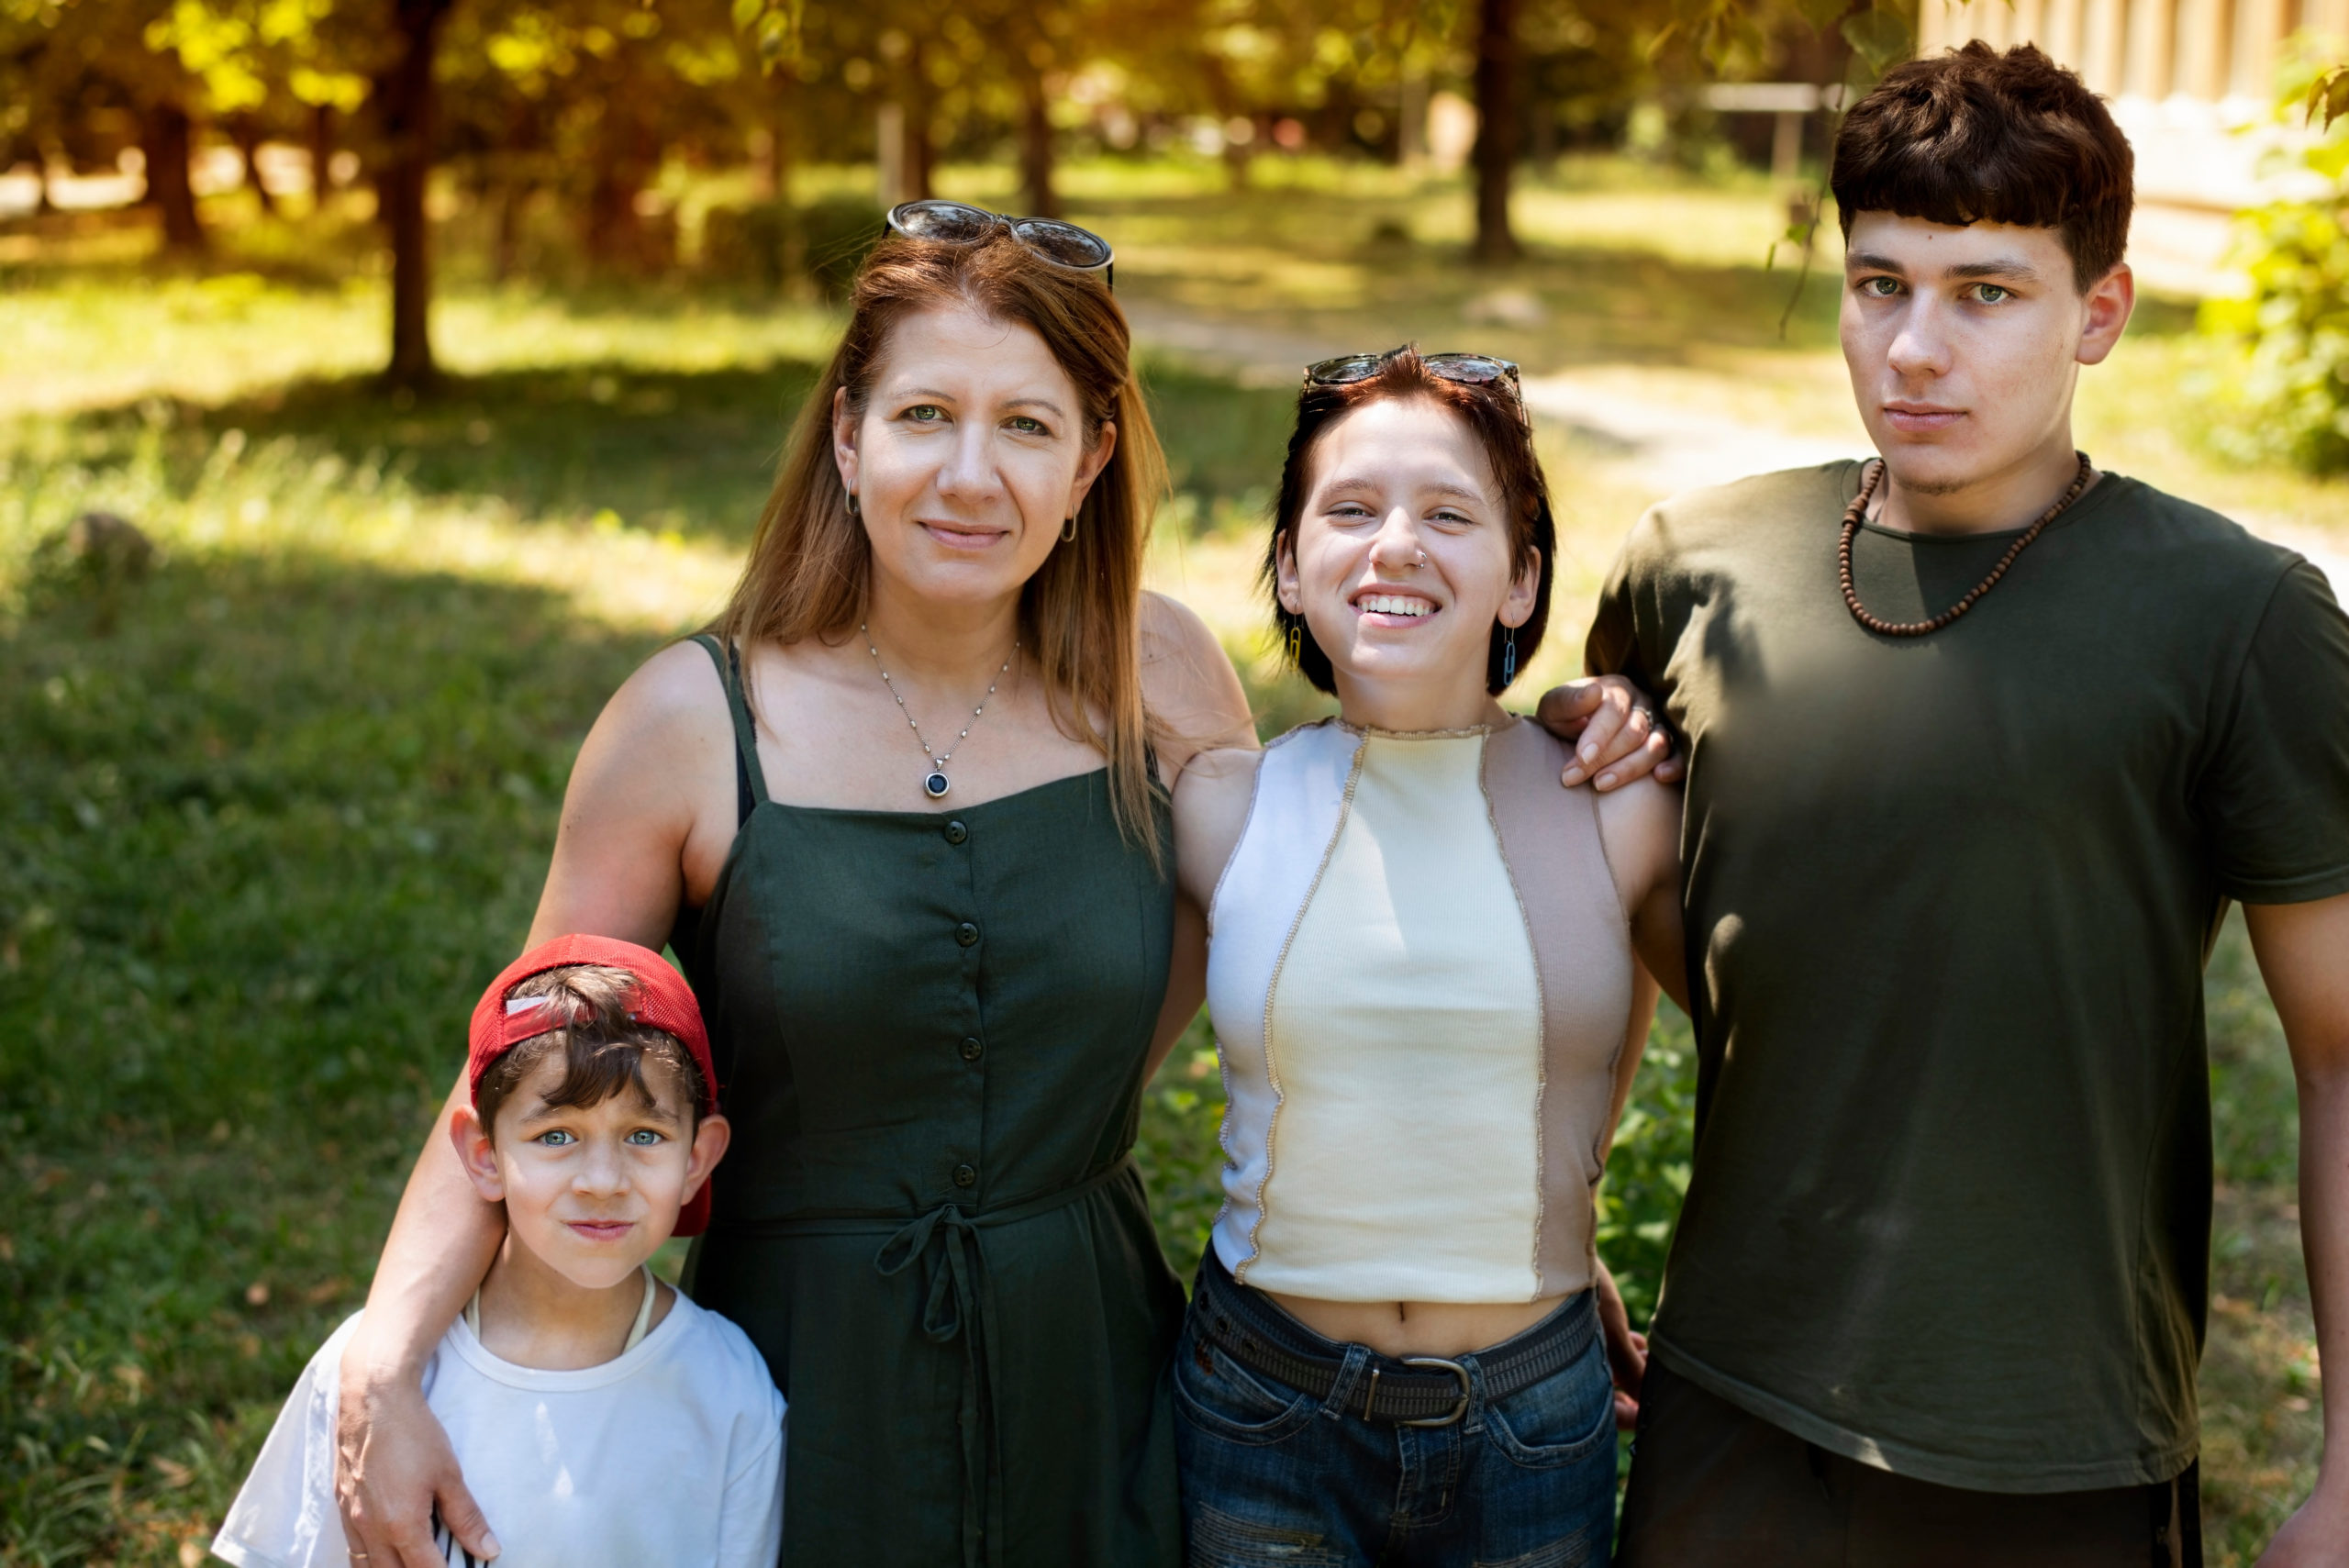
x: 1613, y: 727
x: 395, y: 1473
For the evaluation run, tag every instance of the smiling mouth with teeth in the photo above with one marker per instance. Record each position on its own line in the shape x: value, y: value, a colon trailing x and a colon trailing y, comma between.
x: 1391, y: 605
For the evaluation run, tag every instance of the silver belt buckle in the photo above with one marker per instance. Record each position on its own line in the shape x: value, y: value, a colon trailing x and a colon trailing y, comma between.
x: 1457, y: 1411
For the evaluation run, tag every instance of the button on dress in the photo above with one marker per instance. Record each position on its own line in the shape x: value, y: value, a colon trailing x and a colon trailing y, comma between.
x: 930, y: 1027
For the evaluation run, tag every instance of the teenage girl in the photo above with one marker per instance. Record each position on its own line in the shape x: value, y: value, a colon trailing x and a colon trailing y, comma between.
x: 1429, y: 971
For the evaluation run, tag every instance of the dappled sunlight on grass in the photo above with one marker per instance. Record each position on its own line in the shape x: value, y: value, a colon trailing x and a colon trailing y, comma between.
x: 280, y: 497
x: 80, y: 340
x: 1706, y: 229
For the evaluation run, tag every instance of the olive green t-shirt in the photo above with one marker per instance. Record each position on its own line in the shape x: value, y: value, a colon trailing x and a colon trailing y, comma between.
x: 1948, y: 904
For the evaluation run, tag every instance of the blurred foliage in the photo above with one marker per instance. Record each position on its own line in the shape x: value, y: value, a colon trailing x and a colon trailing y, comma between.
x: 2288, y: 397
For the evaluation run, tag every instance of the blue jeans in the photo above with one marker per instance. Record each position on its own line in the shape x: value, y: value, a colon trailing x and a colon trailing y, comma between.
x: 1273, y: 1476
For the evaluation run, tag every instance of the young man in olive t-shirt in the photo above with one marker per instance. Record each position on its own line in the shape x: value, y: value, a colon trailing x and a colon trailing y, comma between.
x: 1982, y: 740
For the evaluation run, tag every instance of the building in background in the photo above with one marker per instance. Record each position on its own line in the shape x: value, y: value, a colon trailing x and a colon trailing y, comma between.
x: 2190, y: 82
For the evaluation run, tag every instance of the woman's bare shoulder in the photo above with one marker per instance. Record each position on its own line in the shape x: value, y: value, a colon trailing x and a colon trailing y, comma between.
x: 676, y: 694
x: 649, y: 809
x: 1189, y: 684
x: 673, y: 709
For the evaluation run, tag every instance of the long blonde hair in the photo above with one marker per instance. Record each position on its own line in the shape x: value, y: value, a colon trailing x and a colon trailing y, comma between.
x: 811, y: 563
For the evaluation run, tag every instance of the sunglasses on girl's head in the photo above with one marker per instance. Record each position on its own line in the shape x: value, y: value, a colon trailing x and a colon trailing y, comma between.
x: 1472, y: 370
x: 957, y: 223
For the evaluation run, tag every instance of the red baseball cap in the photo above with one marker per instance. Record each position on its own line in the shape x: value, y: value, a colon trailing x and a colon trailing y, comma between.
x: 663, y: 1001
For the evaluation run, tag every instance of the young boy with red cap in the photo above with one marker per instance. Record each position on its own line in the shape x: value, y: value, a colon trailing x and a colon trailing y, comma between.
x: 575, y: 1376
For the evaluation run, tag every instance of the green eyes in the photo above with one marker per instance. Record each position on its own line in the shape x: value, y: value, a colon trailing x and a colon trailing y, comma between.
x: 1979, y: 293
x: 931, y: 413
x: 644, y: 1138
x: 555, y: 1138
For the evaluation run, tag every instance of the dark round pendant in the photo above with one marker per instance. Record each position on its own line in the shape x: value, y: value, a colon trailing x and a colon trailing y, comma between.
x: 935, y: 785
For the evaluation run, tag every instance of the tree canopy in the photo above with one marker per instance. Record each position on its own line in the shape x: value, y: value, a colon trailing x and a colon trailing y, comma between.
x: 580, y: 103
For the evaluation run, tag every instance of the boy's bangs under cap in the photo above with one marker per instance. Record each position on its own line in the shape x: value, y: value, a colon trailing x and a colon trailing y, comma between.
x: 662, y: 1001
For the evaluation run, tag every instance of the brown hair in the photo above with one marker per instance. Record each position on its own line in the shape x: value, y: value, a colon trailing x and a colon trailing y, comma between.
x: 603, y: 1052
x: 1496, y: 420
x: 810, y: 563
x: 1975, y: 136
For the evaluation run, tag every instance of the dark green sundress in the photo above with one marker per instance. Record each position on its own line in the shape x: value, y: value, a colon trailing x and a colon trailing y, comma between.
x: 930, y: 1029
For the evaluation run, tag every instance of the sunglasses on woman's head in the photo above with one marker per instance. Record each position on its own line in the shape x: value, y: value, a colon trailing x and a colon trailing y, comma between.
x: 959, y: 223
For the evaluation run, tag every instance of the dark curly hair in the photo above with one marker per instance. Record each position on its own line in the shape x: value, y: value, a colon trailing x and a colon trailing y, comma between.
x: 1975, y: 136
x: 1495, y: 418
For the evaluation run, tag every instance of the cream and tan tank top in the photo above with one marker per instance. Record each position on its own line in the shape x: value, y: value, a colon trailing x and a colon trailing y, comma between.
x: 1420, y: 972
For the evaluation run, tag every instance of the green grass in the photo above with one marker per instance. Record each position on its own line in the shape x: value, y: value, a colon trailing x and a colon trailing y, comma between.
x: 263, y: 838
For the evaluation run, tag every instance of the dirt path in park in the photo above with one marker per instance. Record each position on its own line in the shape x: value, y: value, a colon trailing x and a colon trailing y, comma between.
x: 1665, y: 446
x: 1662, y: 442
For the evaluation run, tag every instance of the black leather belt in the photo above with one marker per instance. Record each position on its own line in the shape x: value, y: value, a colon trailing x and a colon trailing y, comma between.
x: 1409, y: 1391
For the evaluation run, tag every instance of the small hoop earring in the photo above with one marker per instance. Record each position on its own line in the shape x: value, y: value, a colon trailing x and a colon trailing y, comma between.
x: 1068, y: 531
x: 1508, y: 655
x: 1296, y: 645
x: 855, y: 510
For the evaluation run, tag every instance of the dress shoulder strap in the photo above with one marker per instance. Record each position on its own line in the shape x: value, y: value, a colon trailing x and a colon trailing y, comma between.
x: 749, y: 780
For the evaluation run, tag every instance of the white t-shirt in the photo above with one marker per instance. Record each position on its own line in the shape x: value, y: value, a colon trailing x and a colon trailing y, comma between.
x: 671, y: 1455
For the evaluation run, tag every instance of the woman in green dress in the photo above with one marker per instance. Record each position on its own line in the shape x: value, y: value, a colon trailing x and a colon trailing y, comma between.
x: 902, y: 817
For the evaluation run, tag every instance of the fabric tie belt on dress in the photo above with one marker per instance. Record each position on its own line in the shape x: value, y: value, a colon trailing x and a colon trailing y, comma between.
x: 947, y: 1241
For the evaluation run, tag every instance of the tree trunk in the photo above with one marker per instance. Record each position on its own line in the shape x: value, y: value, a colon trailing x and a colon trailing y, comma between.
x: 1236, y: 155
x: 513, y: 200
x: 405, y: 96
x: 613, y: 232
x: 760, y: 145
x: 779, y: 152
x: 246, y: 132
x: 1036, y: 146
x: 167, y: 138
x: 1411, y: 122
x: 1495, y: 128
x: 1227, y: 109
x: 921, y: 109
x: 321, y: 155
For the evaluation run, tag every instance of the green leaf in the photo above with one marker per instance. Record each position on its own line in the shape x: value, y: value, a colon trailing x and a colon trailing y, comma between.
x: 1821, y: 14
x: 1878, y: 37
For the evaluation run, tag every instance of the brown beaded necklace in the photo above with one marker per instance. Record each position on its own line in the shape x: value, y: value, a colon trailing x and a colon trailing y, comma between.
x: 1882, y: 627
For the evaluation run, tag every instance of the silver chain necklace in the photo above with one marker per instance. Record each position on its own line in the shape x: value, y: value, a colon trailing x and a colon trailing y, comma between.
x: 935, y: 783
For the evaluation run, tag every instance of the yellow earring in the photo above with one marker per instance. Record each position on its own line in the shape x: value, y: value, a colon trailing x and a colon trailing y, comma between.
x: 1296, y: 645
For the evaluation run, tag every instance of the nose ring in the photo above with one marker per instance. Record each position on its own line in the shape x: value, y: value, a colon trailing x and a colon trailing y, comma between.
x: 1422, y: 560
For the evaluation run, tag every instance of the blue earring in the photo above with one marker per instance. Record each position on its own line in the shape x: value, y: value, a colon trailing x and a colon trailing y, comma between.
x: 1508, y: 655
